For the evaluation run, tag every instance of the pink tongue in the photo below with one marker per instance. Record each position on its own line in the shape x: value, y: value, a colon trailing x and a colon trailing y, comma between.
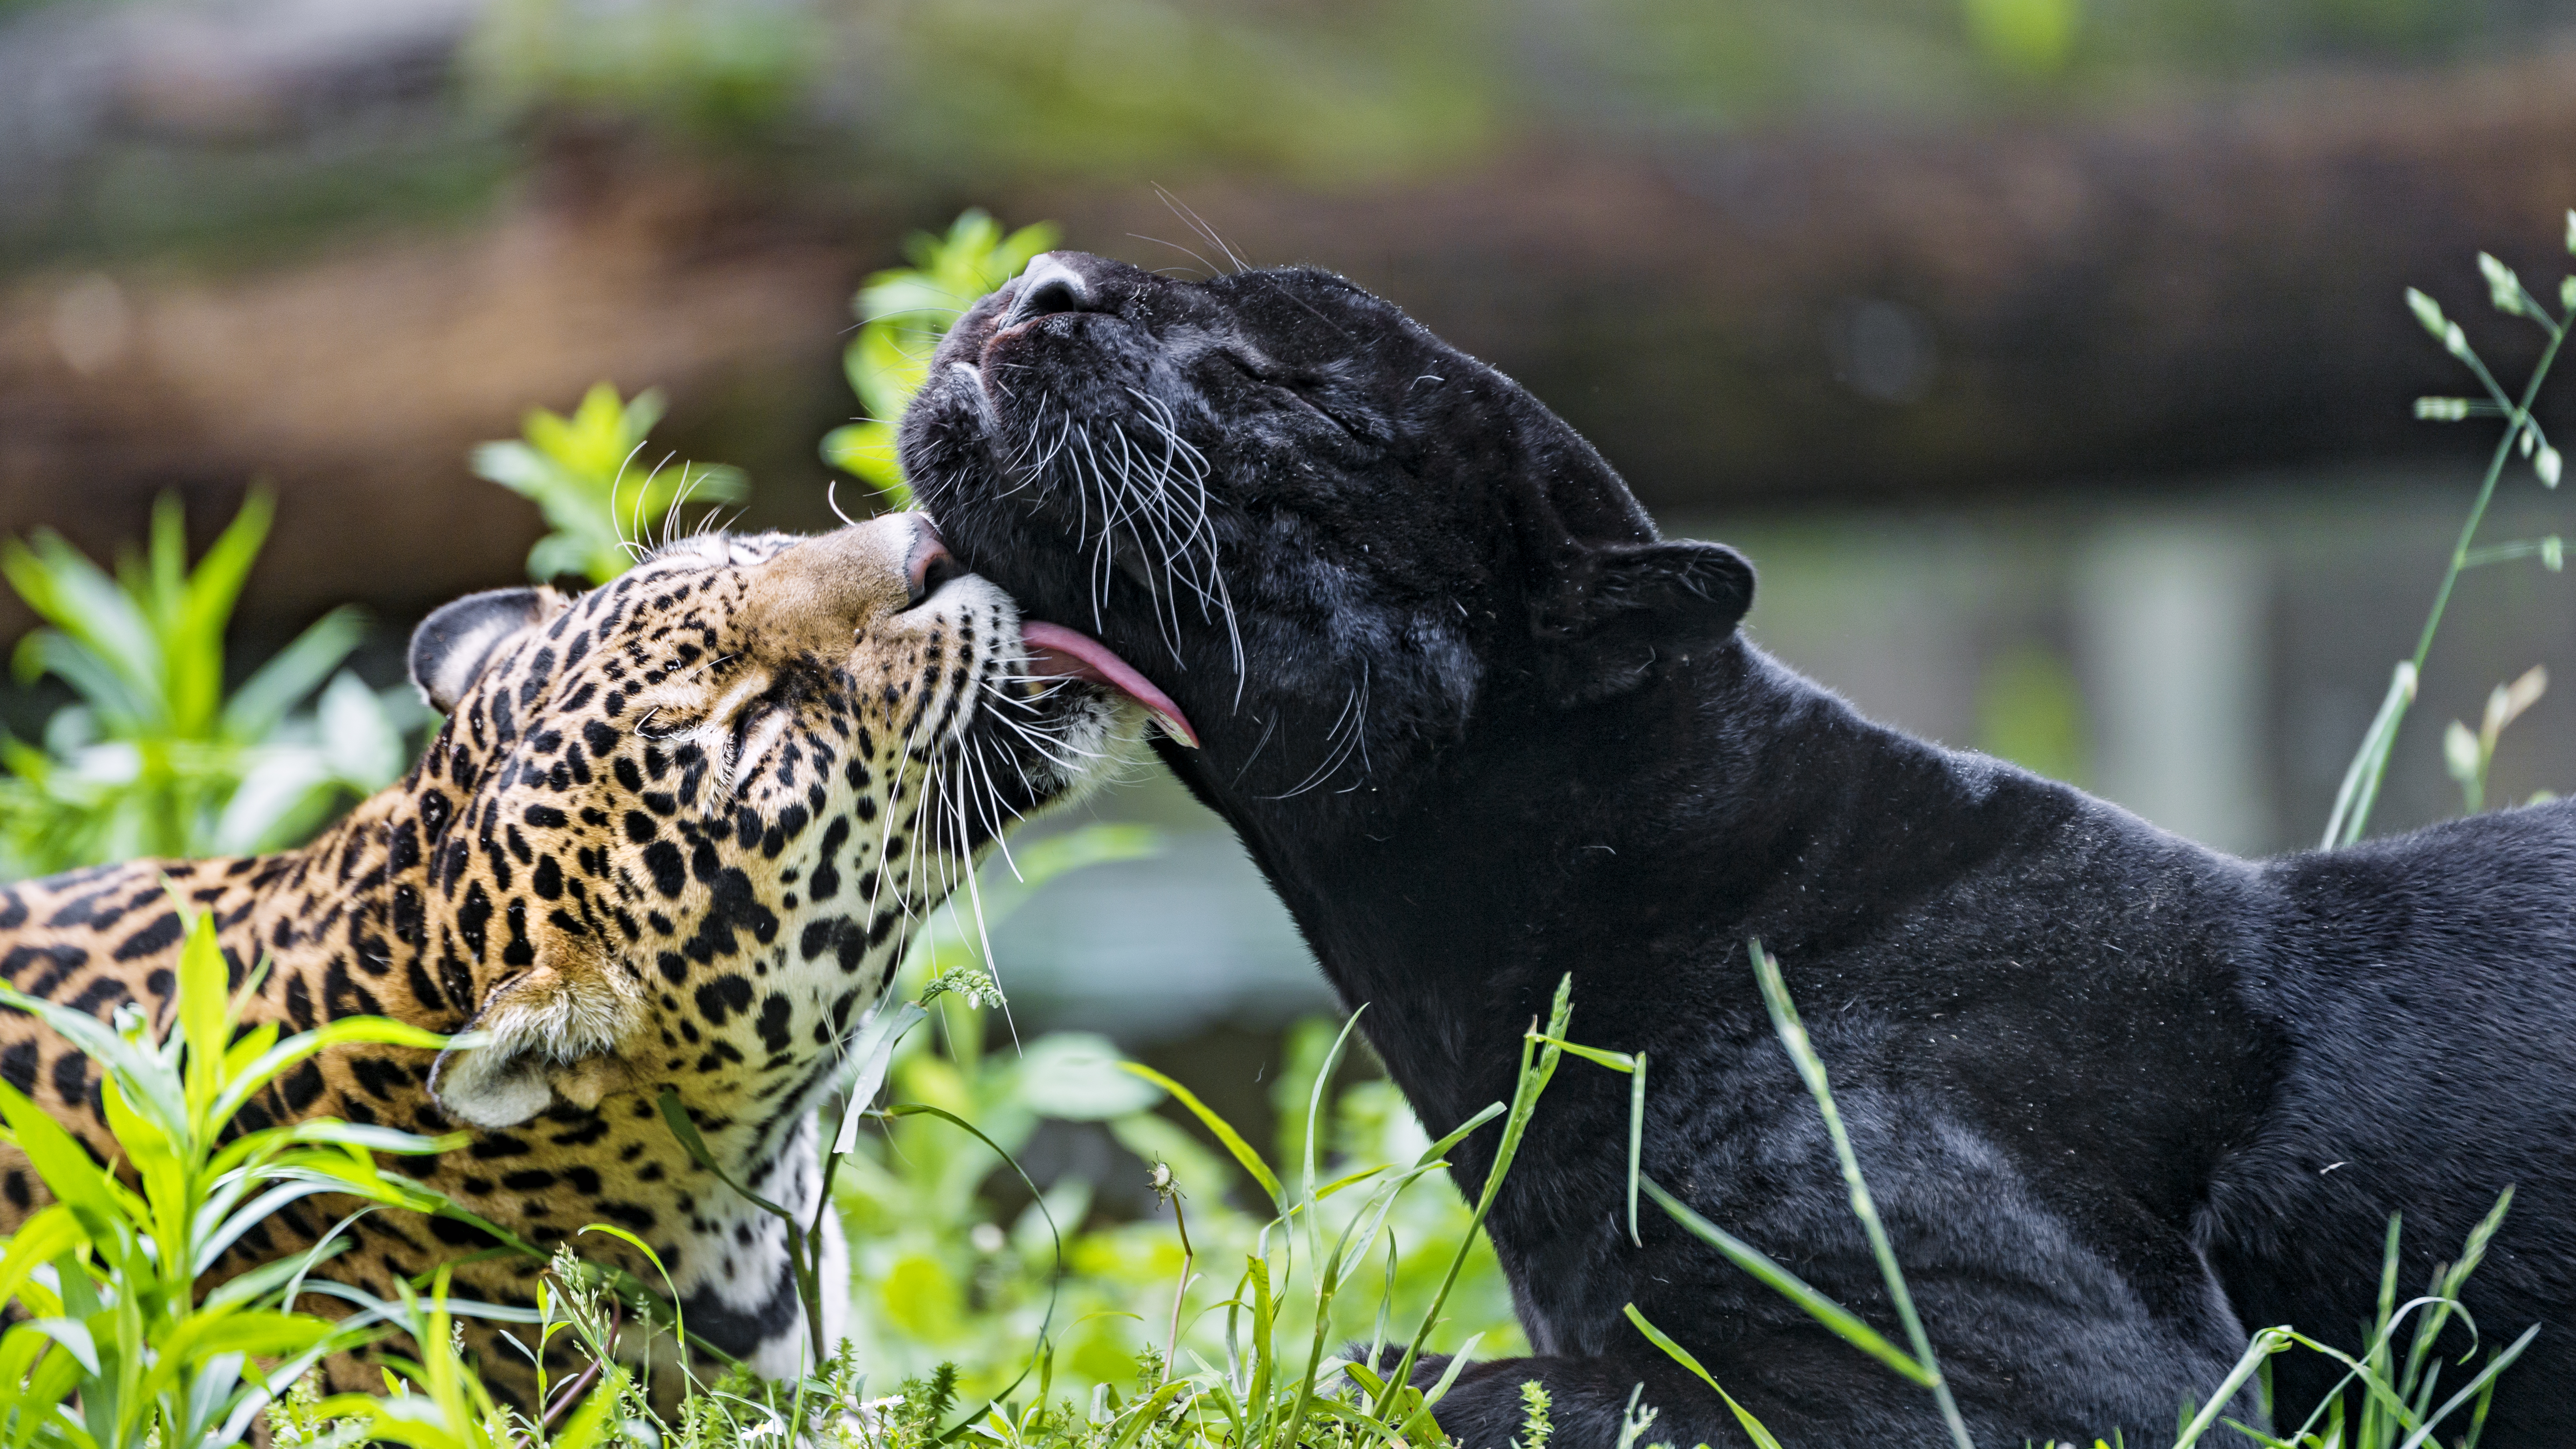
x: 1056, y: 652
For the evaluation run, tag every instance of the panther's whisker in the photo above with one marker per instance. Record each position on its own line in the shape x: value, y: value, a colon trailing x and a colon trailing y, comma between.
x: 885, y: 837
x: 1192, y: 220
x: 1204, y: 264
x: 1137, y: 507
x: 647, y: 524
x: 1267, y: 727
x: 1333, y: 760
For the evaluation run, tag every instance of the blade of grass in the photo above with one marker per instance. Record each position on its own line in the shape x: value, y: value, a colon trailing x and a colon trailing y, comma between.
x: 1055, y: 1280
x: 1811, y: 1068
x: 1753, y: 1427
x: 1224, y: 1130
x: 2267, y: 1343
x: 1842, y: 1322
x: 1634, y: 1065
x: 1532, y: 1080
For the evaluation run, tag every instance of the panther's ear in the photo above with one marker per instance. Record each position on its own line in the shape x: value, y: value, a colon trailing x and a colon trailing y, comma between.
x: 1612, y: 609
x: 543, y: 1034
x: 451, y: 646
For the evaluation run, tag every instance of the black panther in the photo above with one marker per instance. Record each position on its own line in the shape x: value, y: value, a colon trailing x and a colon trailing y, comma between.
x: 2120, y: 1098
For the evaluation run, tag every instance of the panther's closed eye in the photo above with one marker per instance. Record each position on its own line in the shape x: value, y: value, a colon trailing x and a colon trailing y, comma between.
x: 1296, y: 394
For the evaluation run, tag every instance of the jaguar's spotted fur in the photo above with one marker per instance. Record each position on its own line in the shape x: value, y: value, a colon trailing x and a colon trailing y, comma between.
x: 675, y: 832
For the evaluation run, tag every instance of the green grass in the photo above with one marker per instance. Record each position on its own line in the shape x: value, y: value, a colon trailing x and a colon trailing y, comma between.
x: 125, y: 1340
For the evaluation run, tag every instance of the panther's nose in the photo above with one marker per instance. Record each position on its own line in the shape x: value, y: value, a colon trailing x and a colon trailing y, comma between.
x: 928, y: 563
x: 1049, y: 286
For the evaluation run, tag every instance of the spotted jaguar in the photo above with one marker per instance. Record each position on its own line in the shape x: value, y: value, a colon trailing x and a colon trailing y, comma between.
x: 673, y: 835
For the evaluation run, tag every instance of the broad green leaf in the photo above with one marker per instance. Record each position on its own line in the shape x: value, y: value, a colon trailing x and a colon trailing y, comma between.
x: 383, y: 1031
x: 588, y: 475
x: 255, y: 1284
x: 73, y: 1335
x: 331, y: 1131
x: 409, y: 1419
x: 212, y: 1245
x: 275, y: 687
x: 891, y: 360
x: 677, y: 1117
x: 119, y: 703
x: 194, y: 640
x: 62, y: 1162
x: 359, y: 738
x: 158, y: 1161
x: 78, y: 598
x: 95, y: 1038
x: 873, y: 1050
x: 591, y: 1423
x: 256, y: 1332
x: 247, y: 1047
x: 923, y: 1299
x: 205, y: 989
x: 1074, y: 1076
x: 867, y: 451
x: 565, y: 554
x: 50, y: 1233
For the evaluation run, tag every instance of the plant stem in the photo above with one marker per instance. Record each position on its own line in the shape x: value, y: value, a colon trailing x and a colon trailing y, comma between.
x: 2370, y: 764
x: 1180, y: 1290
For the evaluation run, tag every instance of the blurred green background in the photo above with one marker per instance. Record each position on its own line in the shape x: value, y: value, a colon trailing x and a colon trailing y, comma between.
x: 2047, y: 356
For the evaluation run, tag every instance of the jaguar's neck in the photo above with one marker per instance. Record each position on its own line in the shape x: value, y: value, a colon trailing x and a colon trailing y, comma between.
x: 360, y: 906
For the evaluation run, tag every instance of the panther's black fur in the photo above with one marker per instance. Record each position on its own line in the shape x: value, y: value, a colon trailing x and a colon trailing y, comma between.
x: 2119, y: 1097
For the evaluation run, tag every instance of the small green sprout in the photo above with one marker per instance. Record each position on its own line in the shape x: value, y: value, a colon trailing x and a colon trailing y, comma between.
x: 601, y: 497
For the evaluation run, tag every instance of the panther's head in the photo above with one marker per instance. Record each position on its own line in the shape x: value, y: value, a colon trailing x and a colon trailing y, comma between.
x: 1332, y: 536
x: 678, y: 828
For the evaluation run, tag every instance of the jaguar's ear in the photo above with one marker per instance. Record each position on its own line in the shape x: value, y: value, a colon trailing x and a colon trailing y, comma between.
x: 540, y: 1035
x: 451, y: 646
x: 1612, y: 609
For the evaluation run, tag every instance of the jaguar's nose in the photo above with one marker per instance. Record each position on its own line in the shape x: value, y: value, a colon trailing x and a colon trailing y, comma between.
x: 928, y: 564
x: 1050, y: 285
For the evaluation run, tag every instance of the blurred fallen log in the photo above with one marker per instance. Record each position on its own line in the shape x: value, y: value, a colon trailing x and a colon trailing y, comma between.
x: 1899, y: 315
x: 1798, y: 317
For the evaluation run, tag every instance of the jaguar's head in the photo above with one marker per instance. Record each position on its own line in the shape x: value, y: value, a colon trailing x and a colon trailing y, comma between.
x: 1332, y: 536
x: 678, y: 828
